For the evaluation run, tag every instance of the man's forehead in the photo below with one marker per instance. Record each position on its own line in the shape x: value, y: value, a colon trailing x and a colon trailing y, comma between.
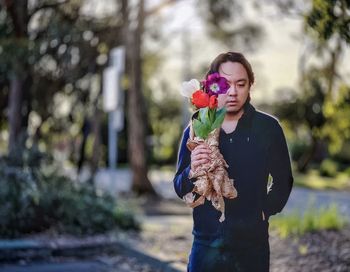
x: 235, y: 69
x: 235, y: 77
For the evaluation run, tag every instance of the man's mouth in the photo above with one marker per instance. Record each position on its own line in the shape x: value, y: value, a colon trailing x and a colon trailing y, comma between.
x: 231, y: 103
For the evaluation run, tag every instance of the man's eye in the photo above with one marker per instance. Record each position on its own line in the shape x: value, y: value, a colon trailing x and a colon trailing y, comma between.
x: 241, y: 85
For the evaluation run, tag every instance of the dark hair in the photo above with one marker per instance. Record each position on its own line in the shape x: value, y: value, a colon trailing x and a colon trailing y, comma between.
x: 232, y: 57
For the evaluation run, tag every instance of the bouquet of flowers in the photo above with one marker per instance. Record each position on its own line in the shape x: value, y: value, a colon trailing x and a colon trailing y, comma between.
x: 212, y: 181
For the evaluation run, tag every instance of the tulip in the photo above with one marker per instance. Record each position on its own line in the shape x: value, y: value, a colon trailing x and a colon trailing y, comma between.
x: 189, y: 87
x: 200, y: 99
x: 213, y: 102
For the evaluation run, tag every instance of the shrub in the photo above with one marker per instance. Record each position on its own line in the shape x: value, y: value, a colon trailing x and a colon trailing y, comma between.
x: 347, y: 171
x: 298, y: 148
x: 328, y: 168
x: 34, y: 199
x: 312, y: 219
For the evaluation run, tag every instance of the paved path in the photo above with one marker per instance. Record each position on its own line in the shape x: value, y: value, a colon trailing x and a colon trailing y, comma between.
x: 120, y: 181
x: 87, y: 266
x: 136, y: 261
x: 299, y: 199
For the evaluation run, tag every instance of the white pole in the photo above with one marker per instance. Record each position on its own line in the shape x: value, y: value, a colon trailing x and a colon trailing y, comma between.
x: 113, y: 101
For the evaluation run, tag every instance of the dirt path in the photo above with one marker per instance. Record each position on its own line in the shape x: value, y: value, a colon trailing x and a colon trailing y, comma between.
x: 168, y: 237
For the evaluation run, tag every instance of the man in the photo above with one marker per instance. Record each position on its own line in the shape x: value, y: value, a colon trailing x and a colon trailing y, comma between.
x: 254, y: 147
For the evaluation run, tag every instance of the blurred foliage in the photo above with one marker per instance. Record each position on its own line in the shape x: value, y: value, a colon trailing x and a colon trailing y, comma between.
x: 34, y: 197
x: 337, y: 112
x: 329, y: 17
x: 65, y: 51
x: 61, y: 54
x: 297, y: 149
x: 328, y: 168
x: 226, y: 22
x: 303, y: 112
x: 320, y: 123
x: 312, y: 219
x: 164, y: 114
x: 347, y: 171
x: 312, y: 179
x: 305, y: 108
x: 322, y: 105
x: 166, y: 130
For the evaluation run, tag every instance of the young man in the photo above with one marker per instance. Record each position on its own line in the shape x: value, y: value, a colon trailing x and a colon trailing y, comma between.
x: 254, y: 147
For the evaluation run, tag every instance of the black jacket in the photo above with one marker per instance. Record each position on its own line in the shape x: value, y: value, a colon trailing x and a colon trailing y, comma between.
x: 254, y: 150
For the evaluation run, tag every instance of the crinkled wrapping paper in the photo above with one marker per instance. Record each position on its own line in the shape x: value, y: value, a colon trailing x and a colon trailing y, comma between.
x: 212, y: 181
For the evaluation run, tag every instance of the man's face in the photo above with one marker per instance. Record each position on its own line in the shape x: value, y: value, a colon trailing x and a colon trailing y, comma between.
x: 236, y: 96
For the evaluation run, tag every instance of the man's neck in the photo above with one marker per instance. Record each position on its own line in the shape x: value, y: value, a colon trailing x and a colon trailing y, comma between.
x: 234, y: 116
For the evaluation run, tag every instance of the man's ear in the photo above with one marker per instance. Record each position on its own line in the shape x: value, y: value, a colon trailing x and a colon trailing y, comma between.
x: 248, y: 98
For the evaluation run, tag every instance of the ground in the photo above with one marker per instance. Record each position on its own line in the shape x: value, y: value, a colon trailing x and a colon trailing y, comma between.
x: 165, y: 241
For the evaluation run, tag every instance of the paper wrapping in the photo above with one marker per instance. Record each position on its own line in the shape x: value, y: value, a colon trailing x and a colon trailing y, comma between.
x: 212, y: 181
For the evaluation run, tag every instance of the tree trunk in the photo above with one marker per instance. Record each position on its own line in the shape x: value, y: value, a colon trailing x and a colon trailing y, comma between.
x: 85, y: 131
x: 14, y: 115
x: 332, y: 67
x: 136, y: 125
x: 18, y: 11
x: 96, y: 130
x: 306, y: 158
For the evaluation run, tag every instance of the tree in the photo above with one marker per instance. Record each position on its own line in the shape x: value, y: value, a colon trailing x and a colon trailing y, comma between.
x: 328, y: 24
x: 337, y: 112
x: 306, y: 110
x: 18, y: 76
x: 136, y: 111
x: 226, y: 23
x: 50, y: 50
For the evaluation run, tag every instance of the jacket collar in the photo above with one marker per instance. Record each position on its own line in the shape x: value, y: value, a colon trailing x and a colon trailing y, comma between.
x: 245, y: 122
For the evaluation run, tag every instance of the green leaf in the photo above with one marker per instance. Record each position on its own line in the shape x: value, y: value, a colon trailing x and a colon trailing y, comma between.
x: 201, y: 130
x: 203, y: 115
x: 220, y: 111
x: 219, y: 118
x: 211, y: 114
x: 198, y: 128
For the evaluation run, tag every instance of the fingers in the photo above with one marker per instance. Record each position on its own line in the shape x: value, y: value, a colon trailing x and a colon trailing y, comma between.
x: 200, y: 155
x: 200, y: 152
x: 201, y: 149
x: 197, y: 163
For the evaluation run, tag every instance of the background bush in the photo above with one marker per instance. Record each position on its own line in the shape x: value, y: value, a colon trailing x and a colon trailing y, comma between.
x: 328, y: 168
x: 35, y: 197
x: 313, y: 219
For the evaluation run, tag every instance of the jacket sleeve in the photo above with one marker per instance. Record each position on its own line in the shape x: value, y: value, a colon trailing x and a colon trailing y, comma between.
x: 182, y: 183
x: 280, y: 169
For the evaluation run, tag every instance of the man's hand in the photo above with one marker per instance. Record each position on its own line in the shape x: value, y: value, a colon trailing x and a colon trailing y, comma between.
x: 199, y: 156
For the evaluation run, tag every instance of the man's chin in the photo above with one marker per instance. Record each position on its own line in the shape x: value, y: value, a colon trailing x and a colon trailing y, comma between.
x: 233, y: 109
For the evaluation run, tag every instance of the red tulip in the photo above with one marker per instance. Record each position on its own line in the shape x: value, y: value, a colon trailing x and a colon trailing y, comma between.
x: 213, y: 102
x: 200, y: 99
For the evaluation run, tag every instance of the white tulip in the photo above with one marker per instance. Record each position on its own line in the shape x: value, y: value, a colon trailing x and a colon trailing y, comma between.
x: 189, y: 87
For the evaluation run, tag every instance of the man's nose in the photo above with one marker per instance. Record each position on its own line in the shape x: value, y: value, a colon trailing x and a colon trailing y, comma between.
x: 232, y: 90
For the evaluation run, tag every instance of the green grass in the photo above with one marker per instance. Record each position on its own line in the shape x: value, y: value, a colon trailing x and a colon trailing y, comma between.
x: 314, y: 181
x: 296, y: 224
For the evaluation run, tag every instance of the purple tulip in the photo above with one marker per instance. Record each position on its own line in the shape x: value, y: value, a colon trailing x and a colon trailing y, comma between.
x: 215, y: 84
